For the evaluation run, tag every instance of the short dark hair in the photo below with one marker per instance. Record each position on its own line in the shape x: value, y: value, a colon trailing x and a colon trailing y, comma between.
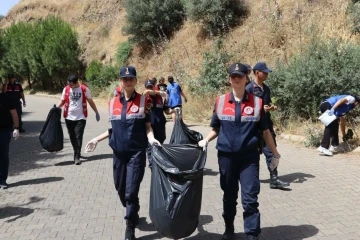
x: 357, y: 99
x: 72, y: 78
x: 10, y: 76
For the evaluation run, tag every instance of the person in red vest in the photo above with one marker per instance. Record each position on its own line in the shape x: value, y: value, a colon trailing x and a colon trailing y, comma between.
x: 15, y: 91
x: 239, y: 122
x: 130, y: 133
x: 74, y: 99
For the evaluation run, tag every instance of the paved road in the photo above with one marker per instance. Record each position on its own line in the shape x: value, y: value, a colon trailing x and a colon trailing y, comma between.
x: 50, y: 198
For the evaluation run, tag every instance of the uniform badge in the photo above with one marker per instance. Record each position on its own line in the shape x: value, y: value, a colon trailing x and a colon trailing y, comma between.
x: 127, y: 71
x: 134, y: 109
x: 237, y: 67
x: 248, y: 110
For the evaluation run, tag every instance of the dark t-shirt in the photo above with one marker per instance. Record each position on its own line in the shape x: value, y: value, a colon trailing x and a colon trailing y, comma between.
x: 6, y: 104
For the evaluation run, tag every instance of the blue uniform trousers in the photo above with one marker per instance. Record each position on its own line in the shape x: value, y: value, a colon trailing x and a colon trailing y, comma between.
x: 266, y: 150
x: 243, y: 168
x: 19, y: 112
x: 129, y: 169
x: 160, y: 135
x: 5, y: 138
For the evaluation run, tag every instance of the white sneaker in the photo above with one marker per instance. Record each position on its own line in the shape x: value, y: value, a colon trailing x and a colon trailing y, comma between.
x: 325, y: 151
x: 336, y: 149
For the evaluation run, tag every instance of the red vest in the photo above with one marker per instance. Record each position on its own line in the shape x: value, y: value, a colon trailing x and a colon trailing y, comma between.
x: 250, y: 110
x: 67, y: 100
x: 135, y: 110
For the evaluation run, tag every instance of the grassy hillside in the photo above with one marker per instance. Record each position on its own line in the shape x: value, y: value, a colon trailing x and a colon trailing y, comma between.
x: 274, y: 30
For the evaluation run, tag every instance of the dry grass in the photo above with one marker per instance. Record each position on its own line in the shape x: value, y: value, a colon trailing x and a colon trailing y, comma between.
x: 274, y: 30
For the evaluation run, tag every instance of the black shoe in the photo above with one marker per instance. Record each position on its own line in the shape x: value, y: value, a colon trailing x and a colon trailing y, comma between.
x: 3, y: 185
x: 130, y: 233
x: 229, y: 233
x: 77, y: 161
x: 21, y: 130
x: 275, y: 182
x: 251, y: 237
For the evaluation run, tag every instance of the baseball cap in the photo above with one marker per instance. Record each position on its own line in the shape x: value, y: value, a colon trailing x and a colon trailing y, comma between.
x: 262, y: 67
x: 238, y: 68
x: 149, y: 83
x: 128, y: 71
x: 248, y: 66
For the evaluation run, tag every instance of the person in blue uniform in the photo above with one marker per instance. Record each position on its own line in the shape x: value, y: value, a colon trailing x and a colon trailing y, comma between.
x: 340, y: 105
x: 158, y: 120
x: 130, y: 133
x: 239, y: 122
x: 15, y: 91
x: 260, y: 89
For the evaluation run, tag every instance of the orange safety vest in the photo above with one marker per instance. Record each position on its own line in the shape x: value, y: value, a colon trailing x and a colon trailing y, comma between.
x: 67, y: 100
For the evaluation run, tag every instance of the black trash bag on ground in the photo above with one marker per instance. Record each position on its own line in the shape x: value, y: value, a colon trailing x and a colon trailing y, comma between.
x: 181, y: 134
x: 176, y: 189
x: 52, y: 136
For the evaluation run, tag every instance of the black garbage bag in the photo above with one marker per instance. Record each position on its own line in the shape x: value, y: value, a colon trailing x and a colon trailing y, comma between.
x: 176, y: 189
x: 52, y: 136
x: 181, y: 134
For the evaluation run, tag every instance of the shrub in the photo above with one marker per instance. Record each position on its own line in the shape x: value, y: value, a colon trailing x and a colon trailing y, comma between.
x: 353, y: 14
x: 151, y: 22
x: 100, y: 76
x: 322, y: 70
x: 213, y: 75
x: 93, y: 71
x: 313, y: 136
x: 123, y: 53
x: 216, y: 16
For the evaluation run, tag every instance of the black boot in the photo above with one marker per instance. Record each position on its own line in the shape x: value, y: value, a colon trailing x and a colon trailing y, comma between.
x: 229, y: 232
x: 275, y: 182
x: 129, y: 232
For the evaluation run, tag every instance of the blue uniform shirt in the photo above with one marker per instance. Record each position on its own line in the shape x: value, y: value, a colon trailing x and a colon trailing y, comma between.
x: 157, y: 110
x: 174, y: 92
x: 128, y: 120
x: 264, y: 94
x: 240, y: 124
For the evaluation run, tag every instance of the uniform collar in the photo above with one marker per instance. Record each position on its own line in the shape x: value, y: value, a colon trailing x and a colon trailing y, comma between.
x: 122, y: 96
x: 232, y: 98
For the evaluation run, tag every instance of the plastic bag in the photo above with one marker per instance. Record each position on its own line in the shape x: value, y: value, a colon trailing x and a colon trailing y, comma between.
x: 181, y: 134
x: 176, y: 189
x: 52, y: 136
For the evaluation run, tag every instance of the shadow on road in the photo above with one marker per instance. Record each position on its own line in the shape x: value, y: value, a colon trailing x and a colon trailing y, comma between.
x: 18, y: 211
x: 210, y: 172
x: 87, y: 159
x: 26, y: 152
x: 36, y: 181
x: 292, y: 178
x: 268, y: 233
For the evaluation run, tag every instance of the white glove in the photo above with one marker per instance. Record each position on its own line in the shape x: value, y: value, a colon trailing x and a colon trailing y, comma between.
x: 153, y: 141
x: 274, y: 162
x: 90, y: 146
x: 16, y: 134
x: 203, y: 144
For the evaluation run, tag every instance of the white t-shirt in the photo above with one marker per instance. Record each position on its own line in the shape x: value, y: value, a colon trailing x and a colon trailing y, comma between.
x: 350, y: 99
x: 75, y: 103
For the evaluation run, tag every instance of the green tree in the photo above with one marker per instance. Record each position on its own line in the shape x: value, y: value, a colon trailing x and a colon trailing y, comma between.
x: 216, y: 16
x: 61, y: 51
x: 16, y: 46
x: 150, y: 22
x: 123, y: 53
